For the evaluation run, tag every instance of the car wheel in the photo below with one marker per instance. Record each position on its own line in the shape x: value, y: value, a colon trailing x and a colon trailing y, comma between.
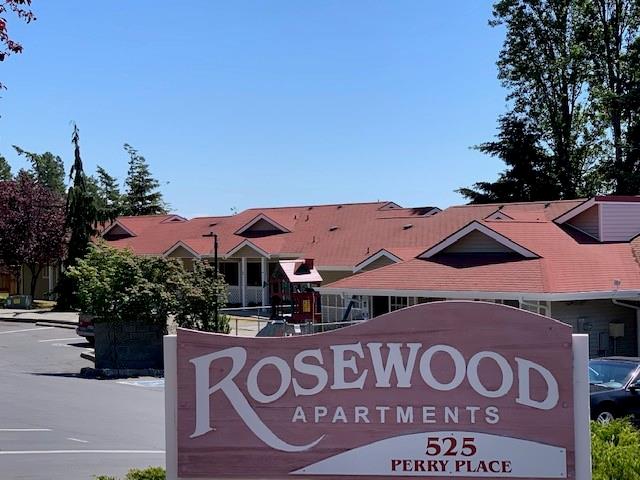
x: 605, y: 415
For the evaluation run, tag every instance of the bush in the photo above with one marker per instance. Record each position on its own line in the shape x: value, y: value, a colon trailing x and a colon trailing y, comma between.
x: 118, y: 286
x: 150, y: 473
x: 615, y: 451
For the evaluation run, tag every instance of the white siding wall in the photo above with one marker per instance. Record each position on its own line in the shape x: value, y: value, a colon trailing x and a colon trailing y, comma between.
x: 595, y: 316
x: 477, y: 242
x: 587, y: 222
x: 620, y: 221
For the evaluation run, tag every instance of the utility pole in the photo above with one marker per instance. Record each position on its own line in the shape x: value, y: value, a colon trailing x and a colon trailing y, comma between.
x: 215, y: 273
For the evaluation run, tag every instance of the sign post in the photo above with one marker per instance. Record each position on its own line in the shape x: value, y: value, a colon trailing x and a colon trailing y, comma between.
x: 446, y: 389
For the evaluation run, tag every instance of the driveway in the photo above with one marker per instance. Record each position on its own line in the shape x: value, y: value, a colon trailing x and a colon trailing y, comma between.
x: 57, y: 425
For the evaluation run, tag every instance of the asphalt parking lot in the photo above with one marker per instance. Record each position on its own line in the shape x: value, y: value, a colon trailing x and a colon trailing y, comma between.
x: 56, y: 425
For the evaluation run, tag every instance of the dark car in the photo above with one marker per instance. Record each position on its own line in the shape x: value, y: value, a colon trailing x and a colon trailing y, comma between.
x: 615, y: 388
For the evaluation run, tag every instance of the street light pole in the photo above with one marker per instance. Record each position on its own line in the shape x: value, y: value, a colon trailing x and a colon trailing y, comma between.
x: 215, y: 273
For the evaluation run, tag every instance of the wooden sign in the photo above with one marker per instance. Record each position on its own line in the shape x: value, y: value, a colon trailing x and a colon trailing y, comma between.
x: 447, y: 389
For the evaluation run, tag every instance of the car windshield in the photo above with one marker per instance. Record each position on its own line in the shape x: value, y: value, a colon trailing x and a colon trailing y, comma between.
x: 610, y: 374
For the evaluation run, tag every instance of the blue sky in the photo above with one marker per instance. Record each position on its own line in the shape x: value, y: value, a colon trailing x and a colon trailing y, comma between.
x: 237, y: 104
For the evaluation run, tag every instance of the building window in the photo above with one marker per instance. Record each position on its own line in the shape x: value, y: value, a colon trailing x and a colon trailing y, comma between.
x: 254, y: 275
x: 230, y: 272
x: 429, y: 299
x: 399, y: 302
x: 536, y: 306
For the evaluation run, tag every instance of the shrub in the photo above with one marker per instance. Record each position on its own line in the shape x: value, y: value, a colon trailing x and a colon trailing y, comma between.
x: 615, y: 451
x: 150, y: 473
x: 198, y: 295
x: 118, y: 286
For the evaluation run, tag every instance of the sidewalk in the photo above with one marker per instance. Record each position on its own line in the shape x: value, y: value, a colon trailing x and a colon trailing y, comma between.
x: 41, y: 315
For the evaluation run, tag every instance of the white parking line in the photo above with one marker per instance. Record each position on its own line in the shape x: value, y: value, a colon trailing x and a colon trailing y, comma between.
x: 77, y: 440
x: 25, y: 429
x: 57, y: 452
x: 27, y: 330
x: 59, y: 339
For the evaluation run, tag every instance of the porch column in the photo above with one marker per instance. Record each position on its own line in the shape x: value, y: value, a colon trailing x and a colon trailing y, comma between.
x: 243, y: 280
x: 264, y: 271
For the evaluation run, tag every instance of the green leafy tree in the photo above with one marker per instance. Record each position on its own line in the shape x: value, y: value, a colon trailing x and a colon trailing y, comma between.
x: 80, y: 221
x: 5, y: 169
x: 529, y: 175
x: 142, y: 196
x: 108, y: 197
x: 544, y: 65
x: 46, y: 168
x: 614, y: 82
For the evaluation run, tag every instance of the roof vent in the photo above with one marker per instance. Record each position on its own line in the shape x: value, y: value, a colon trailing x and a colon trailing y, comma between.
x: 333, y: 228
x: 407, y: 226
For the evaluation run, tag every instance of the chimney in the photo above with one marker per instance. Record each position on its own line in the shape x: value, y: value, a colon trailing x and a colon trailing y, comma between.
x: 308, y: 262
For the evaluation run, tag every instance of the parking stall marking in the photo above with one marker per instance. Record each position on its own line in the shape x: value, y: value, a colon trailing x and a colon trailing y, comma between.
x: 26, y: 330
x: 144, y: 383
x: 62, y: 452
x: 59, y: 339
x: 18, y: 430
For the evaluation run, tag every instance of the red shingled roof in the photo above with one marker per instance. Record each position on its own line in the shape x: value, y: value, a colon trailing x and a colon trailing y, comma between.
x: 569, y: 261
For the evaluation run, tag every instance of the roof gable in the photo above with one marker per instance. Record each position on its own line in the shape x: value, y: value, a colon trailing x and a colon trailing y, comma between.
x: 376, y: 257
x: 477, y: 238
x: 261, y: 224
x: 116, y: 231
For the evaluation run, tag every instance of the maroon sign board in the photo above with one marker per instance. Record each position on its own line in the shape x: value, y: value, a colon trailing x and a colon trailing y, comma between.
x: 446, y: 389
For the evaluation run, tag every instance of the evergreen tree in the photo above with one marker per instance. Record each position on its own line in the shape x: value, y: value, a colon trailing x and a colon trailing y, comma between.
x: 80, y: 221
x: 46, y: 168
x: 5, y: 169
x: 529, y: 175
x: 108, y: 196
x: 142, y: 196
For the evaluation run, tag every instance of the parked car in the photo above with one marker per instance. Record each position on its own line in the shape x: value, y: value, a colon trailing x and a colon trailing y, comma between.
x: 85, y: 329
x: 615, y: 388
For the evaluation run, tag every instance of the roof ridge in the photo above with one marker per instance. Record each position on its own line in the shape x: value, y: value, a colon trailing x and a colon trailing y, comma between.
x: 316, y: 205
x: 506, y: 204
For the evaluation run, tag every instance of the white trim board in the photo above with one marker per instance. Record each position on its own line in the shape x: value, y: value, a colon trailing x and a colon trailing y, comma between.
x: 630, y: 295
x: 473, y: 227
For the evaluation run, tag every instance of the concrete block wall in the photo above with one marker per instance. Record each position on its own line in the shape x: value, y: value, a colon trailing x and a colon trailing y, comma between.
x: 131, y: 345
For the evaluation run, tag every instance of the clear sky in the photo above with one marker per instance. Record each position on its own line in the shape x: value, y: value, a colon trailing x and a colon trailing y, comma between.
x: 239, y: 104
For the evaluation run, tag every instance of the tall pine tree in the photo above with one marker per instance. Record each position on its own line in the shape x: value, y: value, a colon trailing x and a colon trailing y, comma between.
x: 108, y: 197
x: 142, y: 196
x: 46, y: 168
x: 80, y: 221
x: 5, y: 169
x: 529, y: 175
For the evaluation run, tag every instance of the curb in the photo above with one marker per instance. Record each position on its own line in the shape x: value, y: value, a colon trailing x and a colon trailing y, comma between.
x: 88, y: 356
x: 111, y: 373
x: 54, y: 323
x: 41, y: 321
